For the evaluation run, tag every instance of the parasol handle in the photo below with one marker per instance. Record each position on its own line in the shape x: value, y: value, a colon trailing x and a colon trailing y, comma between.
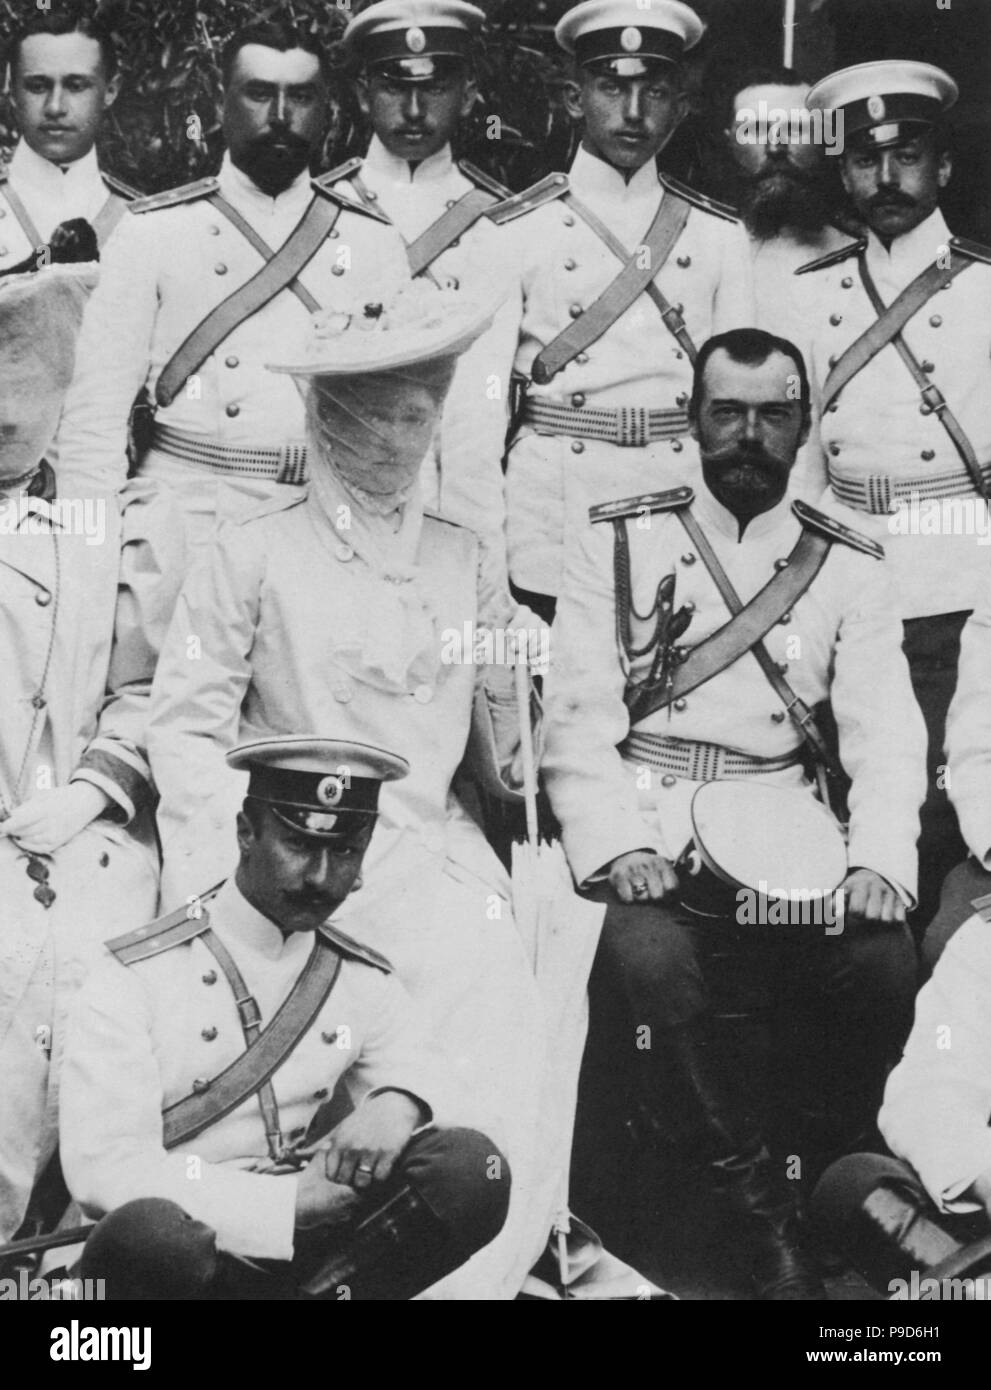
x: 789, y: 28
x: 522, y: 674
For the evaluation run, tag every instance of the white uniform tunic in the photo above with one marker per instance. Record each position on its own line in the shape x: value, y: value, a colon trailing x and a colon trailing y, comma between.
x: 841, y: 640
x: 289, y: 625
x: 141, y: 1035
x: 552, y: 480
x: 163, y: 273
x: 875, y: 426
x: 968, y: 733
x: 49, y: 196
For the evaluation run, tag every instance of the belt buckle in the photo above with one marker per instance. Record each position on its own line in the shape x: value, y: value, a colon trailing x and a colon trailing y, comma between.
x: 933, y: 400
x: 292, y: 464
x: 631, y: 426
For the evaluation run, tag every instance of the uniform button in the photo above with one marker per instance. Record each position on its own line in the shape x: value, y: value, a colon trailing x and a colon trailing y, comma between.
x: 936, y: 321
x: 836, y: 320
x: 689, y: 606
x: 784, y: 620
x: 576, y: 311
x: 200, y: 1085
x: 681, y: 399
x: 832, y: 408
x: 847, y: 282
x: 329, y: 1037
x: 372, y: 197
x: 333, y: 233
x: 342, y: 694
x: 570, y: 264
x: 213, y: 229
x: 929, y: 367
x: 344, y: 552
x: 208, y: 1034
x: 684, y: 262
x: 833, y: 361
x: 679, y: 309
x: 681, y: 705
x: 423, y: 694
x: 679, y: 354
x: 688, y: 558
x: 337, y: 270
x: 668, y: 781
x: 322, y: 1094
x: 834, y: 449
x: 450, y: 202
x: 569, y: 221
x: 43, y: 598
x: 676, y: 446
x: 783, y: 667
x: 577, y: 447
x: 582, y: 359
x: 220, y: 268
x: 781, y: 564
x: 39, y: 702
x: 928, y: 455
x: 209, y: 977
x: 578, y: 400
x: 778, y: 717
x: 232, y: 361
x: 233, y: 411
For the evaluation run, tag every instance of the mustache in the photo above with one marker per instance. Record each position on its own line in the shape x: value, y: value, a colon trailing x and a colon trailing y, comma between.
x: 310, y: 900
x: 894, y: 198
x: 742, y: 456
x: 271, y: 138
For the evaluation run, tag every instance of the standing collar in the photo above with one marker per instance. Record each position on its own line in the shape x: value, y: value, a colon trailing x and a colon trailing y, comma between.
x: 234, y: 918
x: 910, y: 254
x: 239, y: 188
x: 592, y: 176
x: 32, y: 171
x: 713, y: 515
x: 389, y: 168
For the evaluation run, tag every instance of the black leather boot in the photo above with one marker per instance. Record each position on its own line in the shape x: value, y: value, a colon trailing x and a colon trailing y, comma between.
x: 746, y: 1176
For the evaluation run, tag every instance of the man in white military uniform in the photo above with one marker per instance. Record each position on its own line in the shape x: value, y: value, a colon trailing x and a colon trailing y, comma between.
x: 891, y: 1218
x: 348, y: 607
x: 636, y: 721
x: 85, y: 599
x: 381, y: 1204
x: 906, y: 412
x: 206, y: 282
x: 624, y: 272
x: 415, y: 86
x: 63, y: 79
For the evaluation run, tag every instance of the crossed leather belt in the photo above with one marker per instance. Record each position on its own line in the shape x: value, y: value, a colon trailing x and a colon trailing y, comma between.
x: 877, y: 492
x: 285, y: 464
x: 630, y: 426
x: 700, y: 762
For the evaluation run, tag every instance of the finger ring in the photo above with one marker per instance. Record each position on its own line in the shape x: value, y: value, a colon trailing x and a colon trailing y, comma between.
x: 364, y: 1168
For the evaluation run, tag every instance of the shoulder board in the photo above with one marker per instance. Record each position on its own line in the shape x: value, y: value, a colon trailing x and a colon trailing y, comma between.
x: 973, y: 250
x: 518, y: 204
x: 982, y: 906
x: 699, y: 200
x: 671, y: 501
x: 174, y: 929
x: 843, y: 253
x: 354, y: 949
x: 834, y: 530
x: 328, y: 190
x: 172, y: 197
x: 343, y: 171
x: 123, y: 190
x: 484, y: 180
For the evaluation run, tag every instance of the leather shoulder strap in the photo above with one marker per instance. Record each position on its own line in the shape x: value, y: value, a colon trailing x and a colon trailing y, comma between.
x: 24, y: 218
x: 548, y: 189
x: 107, y: 218
x: 842, y: 253
x: 834, y: 530
x: 249, y: 1072
x: 172, y: 197
x: 298, y: 250
x: 164, y: 933
x: 266, y: 252
x: 982, y: 906
x: 699, y: 200
x: 974, y: 250
x: 447, y: 229
x: 483, y: 180
x: 628, y: 508
x: 638, y: 272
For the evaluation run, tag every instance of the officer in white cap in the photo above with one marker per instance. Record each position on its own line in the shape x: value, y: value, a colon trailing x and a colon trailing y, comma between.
x: 624, y: 272
x: 906, y: 411
x: 413, y: 61
x: 238, y: 1016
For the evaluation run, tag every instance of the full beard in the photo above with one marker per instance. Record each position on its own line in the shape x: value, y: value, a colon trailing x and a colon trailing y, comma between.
x: 771, y: 204
x: 272, y: 168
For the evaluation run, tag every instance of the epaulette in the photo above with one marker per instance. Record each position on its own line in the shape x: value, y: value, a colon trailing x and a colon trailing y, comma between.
x: 343, y: 171
x: 518, y: 204
x: 982, y: 906
x: 354, y: 949
x: 700, y: 200
x: 834, y: 530
x: 626, y: 507
x: 327, y: 190
x: 172, y: 197
x: 484, y: 180
x: 973, y: 250
x: 174, y: 929
x: 123, y: 190
x: 843, y: 253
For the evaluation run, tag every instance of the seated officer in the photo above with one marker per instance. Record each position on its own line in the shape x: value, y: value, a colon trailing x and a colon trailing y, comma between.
x: 201, y: 1162
x: 897, y: 1216
x: 636, y: 723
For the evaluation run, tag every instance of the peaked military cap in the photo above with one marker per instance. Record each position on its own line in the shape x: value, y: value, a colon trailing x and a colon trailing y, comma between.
x: 626, y: 38
x: 884, y: 102
x: 414, y: 40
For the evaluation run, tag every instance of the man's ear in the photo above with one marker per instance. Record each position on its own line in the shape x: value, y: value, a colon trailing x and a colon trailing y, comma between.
x: 693, y: 424
x: 945, y: 169
x: 361, y: 92
x: 245, y: 833
x: 469, y: 98
x: 112, y: 92
x: 845, y: 177
x: 571, y: 94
